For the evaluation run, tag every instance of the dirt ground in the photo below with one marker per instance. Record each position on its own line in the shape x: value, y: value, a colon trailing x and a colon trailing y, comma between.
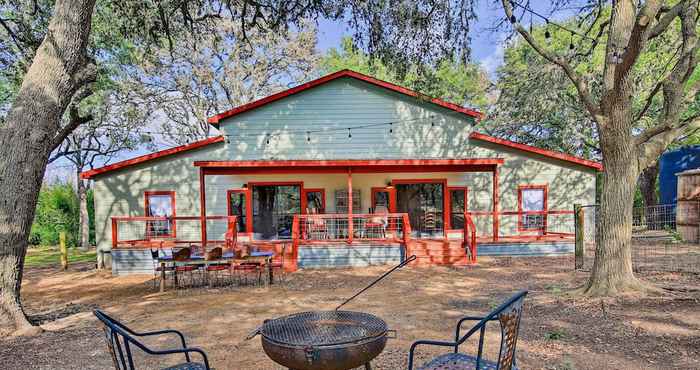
x: 558, y: 331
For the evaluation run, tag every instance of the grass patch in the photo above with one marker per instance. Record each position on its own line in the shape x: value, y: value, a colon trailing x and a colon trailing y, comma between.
x: 555, y: 334
x: 39, y: 256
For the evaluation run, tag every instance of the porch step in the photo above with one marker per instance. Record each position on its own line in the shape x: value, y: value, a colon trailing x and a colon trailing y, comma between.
x: 437, y: 252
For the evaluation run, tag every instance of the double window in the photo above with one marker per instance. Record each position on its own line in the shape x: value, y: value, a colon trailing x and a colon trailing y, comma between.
x: 532, y: 207
x: 160, y: 204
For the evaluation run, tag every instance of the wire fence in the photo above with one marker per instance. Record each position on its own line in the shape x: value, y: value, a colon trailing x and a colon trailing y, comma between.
x: 661, y: 239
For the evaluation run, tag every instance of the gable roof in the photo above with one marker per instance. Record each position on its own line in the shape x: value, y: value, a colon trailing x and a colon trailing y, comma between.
x: 215, y: 120
x: 533, y: 149
x: 151, y: 156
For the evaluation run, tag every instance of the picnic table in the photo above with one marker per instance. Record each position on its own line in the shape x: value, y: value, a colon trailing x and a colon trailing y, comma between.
x: 262, y: 258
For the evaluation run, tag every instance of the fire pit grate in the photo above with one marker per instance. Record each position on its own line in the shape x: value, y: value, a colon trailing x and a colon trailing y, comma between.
x: 323, y: 328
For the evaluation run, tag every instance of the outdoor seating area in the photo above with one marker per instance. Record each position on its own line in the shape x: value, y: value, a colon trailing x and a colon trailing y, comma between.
x: 194, y: 266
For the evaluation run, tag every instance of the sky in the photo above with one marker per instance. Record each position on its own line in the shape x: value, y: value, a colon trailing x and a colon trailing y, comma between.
x: 487, y: 49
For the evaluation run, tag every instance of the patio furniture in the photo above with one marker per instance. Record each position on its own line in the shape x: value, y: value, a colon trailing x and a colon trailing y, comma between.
x: 507, y: 314
x: 120, y: 340
x: 278, y: 265
x: 246, y: 268
x: 159, y: 269
x: 376, y: 225
x: 215, y: 265
x: 182, y: 266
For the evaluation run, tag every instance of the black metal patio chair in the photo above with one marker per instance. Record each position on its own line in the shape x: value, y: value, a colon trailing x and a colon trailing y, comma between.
x: 120, y: 340
x: 508, y: 314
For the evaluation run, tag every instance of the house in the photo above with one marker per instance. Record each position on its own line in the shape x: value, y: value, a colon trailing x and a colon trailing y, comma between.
x: 344, y: 170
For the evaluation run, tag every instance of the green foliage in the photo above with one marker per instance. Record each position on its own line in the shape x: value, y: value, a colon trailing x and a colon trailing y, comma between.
x: 57, y: 210
x: 461, y: 83
x: 555, y: 334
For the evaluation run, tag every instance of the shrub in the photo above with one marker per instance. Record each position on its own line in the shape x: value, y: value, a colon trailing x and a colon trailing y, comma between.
x: 57, y: 210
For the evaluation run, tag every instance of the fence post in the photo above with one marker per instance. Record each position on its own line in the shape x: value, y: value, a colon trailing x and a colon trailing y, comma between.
x: 578, y: 230
x: 64, y: 250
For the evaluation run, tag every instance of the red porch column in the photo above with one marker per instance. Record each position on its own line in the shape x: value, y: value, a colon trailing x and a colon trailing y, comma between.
x: 495, y: 204
x: 202, y: 207
x: 350, y: 223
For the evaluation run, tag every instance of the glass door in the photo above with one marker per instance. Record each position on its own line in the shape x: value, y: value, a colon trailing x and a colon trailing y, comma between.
x: 424, y: 203
x: 274, y: 207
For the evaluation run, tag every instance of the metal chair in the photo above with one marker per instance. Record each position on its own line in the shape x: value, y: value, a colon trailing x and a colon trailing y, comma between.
x: 180, y: 259
x: 279, y: 265
x: 158, y: 268
x: 120, y: 340
x: 508, y: 314
x: 216, y: 266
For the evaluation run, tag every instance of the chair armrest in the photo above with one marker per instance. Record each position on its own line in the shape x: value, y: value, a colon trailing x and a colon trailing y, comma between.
x: 468, y: 318
x: 186, y: 351
x: 162, y: 332
x: 428, y: 343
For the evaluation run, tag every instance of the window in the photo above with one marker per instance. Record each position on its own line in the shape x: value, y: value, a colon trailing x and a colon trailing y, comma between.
x: 274, y: 207
x: 315, y: 200
x: 380, y: 199
x: 160, y: 204
x: 238, y: 200
x: 532, y: 207
x: 458, y: 205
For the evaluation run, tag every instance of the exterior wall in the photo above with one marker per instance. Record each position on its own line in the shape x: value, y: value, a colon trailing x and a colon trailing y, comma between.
x: 342, y: 103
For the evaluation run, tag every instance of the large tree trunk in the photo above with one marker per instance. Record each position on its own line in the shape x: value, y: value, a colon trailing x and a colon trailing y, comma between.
x: 27, y: 138
x: 647, y: 186
x: 612, y: 268
x: 84, y: 241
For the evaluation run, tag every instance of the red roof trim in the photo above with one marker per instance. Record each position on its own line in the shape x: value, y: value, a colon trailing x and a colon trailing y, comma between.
x: 351, y: 162
x: 151, y: 156
x: 333, y: 76
x: 536, y: 150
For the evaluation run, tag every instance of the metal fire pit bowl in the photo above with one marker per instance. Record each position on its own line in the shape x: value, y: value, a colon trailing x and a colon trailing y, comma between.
x: 324, y: 340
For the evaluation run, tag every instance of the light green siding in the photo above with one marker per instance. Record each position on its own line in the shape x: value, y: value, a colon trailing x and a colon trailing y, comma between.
x: 342, y: 103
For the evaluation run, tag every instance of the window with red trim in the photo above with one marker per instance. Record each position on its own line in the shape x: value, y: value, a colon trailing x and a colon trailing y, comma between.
x: 239, y: 206
x: 315, y: 200
x: 380, y: 198
x: 532, y: 207
x: 458, y: 205
x: 160, y: 204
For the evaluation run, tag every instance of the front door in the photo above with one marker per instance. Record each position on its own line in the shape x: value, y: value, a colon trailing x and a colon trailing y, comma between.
x: 424, y: 202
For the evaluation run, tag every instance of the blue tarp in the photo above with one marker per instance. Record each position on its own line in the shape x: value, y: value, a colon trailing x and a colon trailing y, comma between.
x: 670, y: 164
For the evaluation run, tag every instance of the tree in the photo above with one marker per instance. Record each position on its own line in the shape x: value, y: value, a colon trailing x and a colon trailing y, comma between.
x: 207, y: 74
x: 629, y: 33
x: 450, y: 78
x: 57, y: 210
x: 64, y: 65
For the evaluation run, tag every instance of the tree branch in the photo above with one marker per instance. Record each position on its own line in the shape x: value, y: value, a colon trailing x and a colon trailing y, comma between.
x: 576, y: 79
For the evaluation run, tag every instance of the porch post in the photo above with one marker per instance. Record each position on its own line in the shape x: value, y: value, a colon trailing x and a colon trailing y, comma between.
x: 202, y: 207
x: 350, y: 223
x: 495, y: 204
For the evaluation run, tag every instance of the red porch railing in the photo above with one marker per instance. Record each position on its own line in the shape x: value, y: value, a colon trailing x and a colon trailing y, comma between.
x: 146, y: 232
x: 470, y: 237
x: 321, y: 228
x: 523, y: 225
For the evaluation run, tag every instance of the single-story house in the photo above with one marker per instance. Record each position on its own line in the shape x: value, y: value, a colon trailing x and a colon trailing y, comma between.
x: 344, y: 170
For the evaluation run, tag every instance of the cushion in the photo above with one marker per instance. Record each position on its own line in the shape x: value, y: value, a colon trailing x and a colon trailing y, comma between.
x: 187, y: 366
x: 459, y: 361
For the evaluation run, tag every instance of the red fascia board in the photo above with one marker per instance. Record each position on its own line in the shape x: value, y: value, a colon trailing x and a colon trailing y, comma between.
x: 151, y: 156
x: 333, y: 76
x: 351, y: 163
x: 533, y: 149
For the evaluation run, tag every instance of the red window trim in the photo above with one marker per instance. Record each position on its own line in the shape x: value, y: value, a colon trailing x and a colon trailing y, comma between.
x: 545, y: 189
x: 466, y: 203
x: 146, y: 203
x: 445, y: 197
x: 391, y: 197
x: 304, y: 193
x: 248, y: 207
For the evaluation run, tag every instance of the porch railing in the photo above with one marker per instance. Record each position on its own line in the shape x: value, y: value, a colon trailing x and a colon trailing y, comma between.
x: 320, y: 228
x: 469, y: 237
x: 523, y: 225
x: 143, y: 231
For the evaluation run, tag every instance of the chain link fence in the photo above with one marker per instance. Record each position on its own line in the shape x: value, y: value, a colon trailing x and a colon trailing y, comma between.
x: 657, y: 244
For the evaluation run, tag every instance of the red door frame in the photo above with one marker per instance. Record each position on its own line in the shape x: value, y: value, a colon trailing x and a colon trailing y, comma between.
x: 146, y: 209
x: 304, y: 192
x: 248, y: 207
x: 466, y: 202
x: 545, y: 207
x: 302, y: 200
x: 445, y: 196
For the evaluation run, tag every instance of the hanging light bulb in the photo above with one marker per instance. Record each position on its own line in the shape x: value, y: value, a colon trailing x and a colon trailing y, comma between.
x: 308, y: 136
x: 267, y: 141
x: 227, y: 140
x: 547, y: 35
x: 349, y: 133
x: 391, y: 127
x: 513, y: 19
x: 571, y: 42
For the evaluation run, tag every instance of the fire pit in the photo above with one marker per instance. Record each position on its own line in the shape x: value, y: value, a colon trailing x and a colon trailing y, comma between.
x: 326, y: 340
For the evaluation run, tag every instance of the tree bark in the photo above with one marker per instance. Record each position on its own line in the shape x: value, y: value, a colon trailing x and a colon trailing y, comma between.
x: 84, y: 241
x: 58, y: 69
x: 647, y: 186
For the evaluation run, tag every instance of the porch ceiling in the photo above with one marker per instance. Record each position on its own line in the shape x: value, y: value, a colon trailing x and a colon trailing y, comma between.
x: 355, y: 166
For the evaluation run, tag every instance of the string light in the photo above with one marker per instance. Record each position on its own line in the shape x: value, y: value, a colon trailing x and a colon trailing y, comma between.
x: 308, y: 137
x: 267, y: 141
x: 571, y: 42
x: 547, y: 34
x: 349, y: 133
x: 391, y: 127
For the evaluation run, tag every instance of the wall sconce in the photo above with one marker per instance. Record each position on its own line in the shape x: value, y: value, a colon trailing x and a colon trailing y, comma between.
x: 389, y: 185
